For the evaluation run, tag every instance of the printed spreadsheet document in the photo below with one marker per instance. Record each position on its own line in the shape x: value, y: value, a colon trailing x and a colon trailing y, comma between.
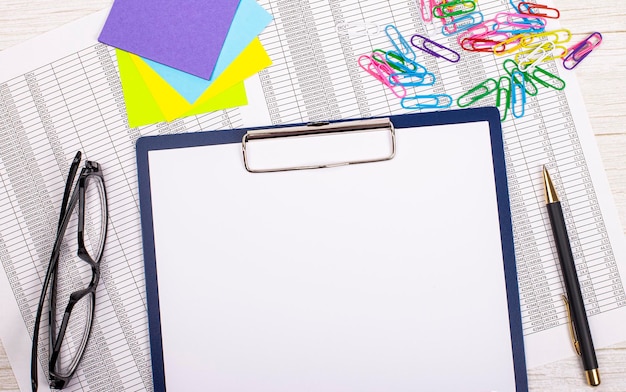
x: 60, y: 93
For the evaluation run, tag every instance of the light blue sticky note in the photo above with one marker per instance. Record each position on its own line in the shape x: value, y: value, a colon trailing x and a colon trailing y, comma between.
x: 249, y: 21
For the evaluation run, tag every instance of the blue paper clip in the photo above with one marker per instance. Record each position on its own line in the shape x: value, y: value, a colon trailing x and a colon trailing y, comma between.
x: 402, y: 47
x: 463, y: 23
x: 432, y: 101
x: 517, y: 87
x: 435, y: 49
x: 411, y: 79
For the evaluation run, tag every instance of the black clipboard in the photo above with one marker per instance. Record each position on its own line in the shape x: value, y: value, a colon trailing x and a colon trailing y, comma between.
x: 159, y: 173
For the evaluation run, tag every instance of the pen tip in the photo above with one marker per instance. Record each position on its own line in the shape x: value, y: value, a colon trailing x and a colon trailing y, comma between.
x: 551, y: 196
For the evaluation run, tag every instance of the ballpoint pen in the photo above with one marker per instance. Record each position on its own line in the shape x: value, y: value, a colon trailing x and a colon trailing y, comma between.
x: 579, y: 325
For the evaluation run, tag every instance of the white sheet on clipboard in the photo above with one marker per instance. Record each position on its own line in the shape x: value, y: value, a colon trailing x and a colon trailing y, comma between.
x: 374, y: 277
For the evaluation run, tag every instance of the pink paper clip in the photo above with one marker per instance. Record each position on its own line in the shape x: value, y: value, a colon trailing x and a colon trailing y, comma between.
x: 426, y: 10
x: 481, y: 29
x: 581, y: 50
x: 381, y: 71
x: 520, y: 22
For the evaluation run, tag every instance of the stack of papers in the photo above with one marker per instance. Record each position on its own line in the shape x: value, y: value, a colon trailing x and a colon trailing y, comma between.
x: 184, y: 58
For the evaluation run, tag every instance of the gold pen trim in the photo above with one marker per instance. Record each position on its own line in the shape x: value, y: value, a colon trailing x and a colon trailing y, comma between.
x: 570, y: 323
x: 551, y: 196
x: 593, y: 377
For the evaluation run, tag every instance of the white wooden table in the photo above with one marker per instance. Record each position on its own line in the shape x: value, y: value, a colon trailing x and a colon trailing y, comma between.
x: 602, y: 78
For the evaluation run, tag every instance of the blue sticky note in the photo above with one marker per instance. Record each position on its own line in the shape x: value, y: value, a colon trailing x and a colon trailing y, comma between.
x: 249, y: 21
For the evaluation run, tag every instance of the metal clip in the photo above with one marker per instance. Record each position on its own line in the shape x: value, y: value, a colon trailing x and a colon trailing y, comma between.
x: 572, y: 332
x: 319, y: 130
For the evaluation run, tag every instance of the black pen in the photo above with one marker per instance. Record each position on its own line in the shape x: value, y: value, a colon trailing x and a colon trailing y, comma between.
x: 575, y: 306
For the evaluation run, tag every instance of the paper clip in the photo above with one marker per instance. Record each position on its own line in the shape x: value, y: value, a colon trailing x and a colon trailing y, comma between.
x: 559, y: 36
x: 578, y: 52
x: 556, y: 52
x: 454, y: 8
x: 510, y: 67
x: 380, y: 70
x: 449, y: 26
x: 394, y: 60
x: 547, y: 79
x: 478, y: 44
x: 528, y: 60
x: 538, y: 9
x: 468, y: 21
x: 509, y: 45
x: 478, y: 92
x: 411, y: 79
x: 519, y: 23
x: 433, y: 101
x: 478, y: 30
x: 358, y: 28
x: 403, y: 64
x: 426, y: 10
x: 503, y: 97
x: 515, y: 88
x: 434, y: 49
x: 402, y: 47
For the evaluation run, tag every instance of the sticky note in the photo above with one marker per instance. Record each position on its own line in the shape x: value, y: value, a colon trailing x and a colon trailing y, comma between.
x: 252, y: 60
x: 187, y: 35
x: 142, y: 108
x: 249, y: 21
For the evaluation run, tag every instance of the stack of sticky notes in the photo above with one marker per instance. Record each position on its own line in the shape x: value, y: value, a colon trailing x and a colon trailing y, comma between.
x: 180, y: 58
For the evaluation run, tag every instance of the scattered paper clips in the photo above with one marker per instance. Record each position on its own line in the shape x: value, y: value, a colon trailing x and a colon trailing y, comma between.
x: 519, y: 34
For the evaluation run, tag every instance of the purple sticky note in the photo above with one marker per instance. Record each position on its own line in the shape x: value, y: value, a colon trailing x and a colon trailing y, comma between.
x: 185, y: 34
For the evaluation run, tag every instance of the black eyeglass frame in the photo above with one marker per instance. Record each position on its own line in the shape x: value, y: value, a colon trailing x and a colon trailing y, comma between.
x: 91, y: 171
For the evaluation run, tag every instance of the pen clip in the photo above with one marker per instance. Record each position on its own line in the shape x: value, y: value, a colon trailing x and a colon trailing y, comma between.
x: 572, y: 332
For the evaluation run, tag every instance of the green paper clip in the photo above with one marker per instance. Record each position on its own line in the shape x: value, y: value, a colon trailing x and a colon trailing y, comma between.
x: 510, y: 67
x: 400, y: 63
x: 549, y: 80
x: 503, y: 97
x: 478, y: 92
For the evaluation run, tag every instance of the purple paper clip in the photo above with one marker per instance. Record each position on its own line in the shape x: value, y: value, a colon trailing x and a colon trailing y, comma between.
x: 434, y: 49
x: 581, y: 50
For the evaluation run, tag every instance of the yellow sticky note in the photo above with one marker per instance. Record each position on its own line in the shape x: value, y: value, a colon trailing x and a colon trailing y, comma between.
x: 142, y: 107
x: 250, y: 61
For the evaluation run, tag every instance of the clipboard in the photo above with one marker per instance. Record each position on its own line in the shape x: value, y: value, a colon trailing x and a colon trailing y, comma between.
x: 389, y: 272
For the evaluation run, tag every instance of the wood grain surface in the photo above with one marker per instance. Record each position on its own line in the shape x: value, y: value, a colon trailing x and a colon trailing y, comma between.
x: 602, y: 78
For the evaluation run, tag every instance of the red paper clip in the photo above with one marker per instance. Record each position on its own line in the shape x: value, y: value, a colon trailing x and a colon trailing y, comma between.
x: 581, y: 50
x: 538, y: 10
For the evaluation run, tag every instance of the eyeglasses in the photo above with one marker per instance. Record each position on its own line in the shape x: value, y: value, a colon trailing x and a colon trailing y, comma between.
x: 73, y: 274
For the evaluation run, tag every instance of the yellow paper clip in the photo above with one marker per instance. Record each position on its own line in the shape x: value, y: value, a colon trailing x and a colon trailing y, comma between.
x: 559, y: 36
x: 509, y: 45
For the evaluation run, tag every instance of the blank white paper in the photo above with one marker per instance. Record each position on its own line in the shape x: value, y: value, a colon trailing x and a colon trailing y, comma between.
x: 376, y: 277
